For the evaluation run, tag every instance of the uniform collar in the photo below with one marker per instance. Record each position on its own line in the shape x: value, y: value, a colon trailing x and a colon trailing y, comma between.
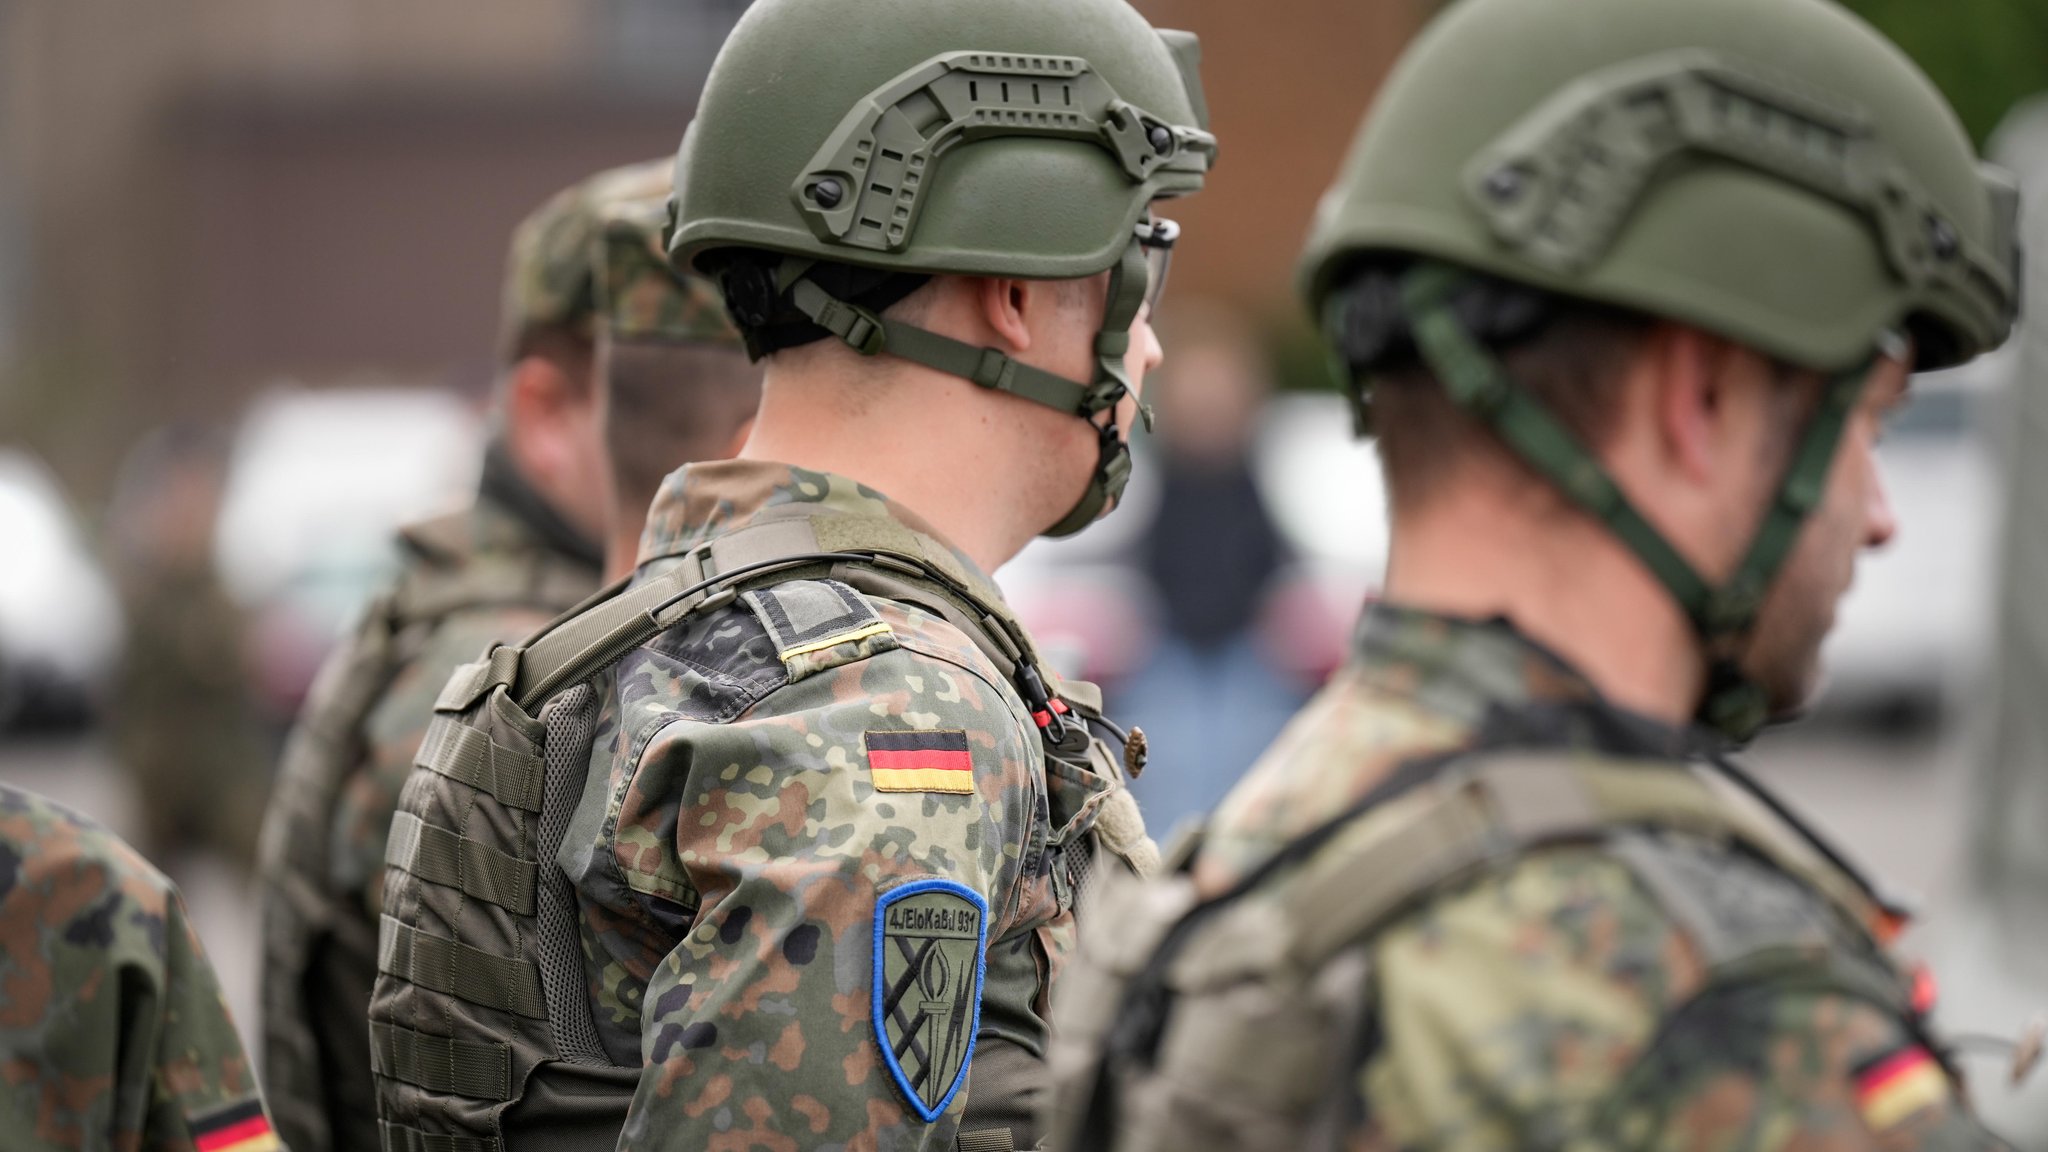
x: 511, y: 513
x: 700, y: 502
x: 1488, y: 675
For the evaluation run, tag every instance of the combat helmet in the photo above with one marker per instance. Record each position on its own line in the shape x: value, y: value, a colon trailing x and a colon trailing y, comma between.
x: 844, y: 150
x: 1771, y: 171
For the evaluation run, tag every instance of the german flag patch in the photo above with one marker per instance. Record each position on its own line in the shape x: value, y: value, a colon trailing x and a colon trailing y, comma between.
x: 920, y: 761
x: 239, y: 1127
x: 1892, y: 1088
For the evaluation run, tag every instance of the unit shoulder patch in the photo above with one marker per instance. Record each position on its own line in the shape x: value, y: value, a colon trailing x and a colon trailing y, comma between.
x: 937, y: 761
x: 817, y: 625
x: 931, y: 945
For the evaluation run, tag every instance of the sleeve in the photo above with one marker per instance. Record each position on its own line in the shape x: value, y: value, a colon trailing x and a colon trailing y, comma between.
x: 852, y: 837
x: 201, y: 1094
x: 1764, y: 1067
x: 112, y: 1025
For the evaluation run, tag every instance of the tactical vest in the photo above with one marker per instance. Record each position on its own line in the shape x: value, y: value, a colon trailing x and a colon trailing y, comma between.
x: 1243, y: 1024
x: 320, y: 955
x: 482, y: 1024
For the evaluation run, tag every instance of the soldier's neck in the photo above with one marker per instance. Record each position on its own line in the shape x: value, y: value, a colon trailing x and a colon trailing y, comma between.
x: 913, y: 445
x: 1565, y: 583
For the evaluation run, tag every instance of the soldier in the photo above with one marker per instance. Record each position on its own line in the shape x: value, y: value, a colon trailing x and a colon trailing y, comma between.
x: 113, y: 1031
x: 803, y: 818
x: 1626, y: 288
x: 523, y: 553
x: 674, y: 381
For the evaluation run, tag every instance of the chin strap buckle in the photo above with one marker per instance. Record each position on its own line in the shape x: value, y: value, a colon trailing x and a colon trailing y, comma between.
x: 861, y: 329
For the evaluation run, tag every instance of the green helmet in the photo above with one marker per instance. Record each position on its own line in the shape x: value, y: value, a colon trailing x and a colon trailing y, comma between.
x: 906, y: 138
x: 1773, y: 171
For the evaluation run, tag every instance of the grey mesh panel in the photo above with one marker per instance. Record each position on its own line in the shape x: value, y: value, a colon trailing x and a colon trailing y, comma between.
x: 571, y: 719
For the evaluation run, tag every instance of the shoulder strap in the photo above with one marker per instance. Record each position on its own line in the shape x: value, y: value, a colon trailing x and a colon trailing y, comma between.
x: 624, y: 616
x: 1468, y: 810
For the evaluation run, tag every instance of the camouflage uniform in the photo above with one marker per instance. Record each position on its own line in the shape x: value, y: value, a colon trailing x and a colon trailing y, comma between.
x: 749, y: 829
x: 113, y: 1032
x: 818, y: 857
x: 493, y: 573
x: 1582, y: 991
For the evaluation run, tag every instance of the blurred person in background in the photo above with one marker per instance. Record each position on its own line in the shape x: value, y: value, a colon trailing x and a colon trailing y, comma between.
x: 1208, y: 699
x: 113, y: 1030
x: 527, y: 550
x: 186, y: 726
x: 1627, y: 289
x: 675, y: 381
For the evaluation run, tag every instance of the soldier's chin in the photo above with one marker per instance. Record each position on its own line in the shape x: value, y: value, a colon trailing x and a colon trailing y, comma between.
x: 1793, y: 693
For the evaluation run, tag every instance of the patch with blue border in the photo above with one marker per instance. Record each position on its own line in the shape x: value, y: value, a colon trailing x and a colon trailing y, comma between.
x: 931, y: 949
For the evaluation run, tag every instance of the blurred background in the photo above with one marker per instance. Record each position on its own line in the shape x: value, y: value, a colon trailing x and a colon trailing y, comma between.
x: 249, y: 265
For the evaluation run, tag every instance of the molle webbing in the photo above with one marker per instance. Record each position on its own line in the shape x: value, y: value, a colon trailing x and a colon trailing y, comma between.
x: 455, y: 969
x: 402, y: 1138
x: 439, y: 1064
x: 443, y: 857
x: 467, y: 755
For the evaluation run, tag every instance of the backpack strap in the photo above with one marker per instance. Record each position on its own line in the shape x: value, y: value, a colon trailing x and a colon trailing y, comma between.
x: 1461, y: 814
x: 863, y: 553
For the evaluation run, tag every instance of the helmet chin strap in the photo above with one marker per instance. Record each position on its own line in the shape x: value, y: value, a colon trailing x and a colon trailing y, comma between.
x: 1723, y: 617
x: 872, y: 335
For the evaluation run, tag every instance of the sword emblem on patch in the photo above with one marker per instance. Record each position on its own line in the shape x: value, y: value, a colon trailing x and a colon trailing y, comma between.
x: 931, y: 937
x: 920, y: 761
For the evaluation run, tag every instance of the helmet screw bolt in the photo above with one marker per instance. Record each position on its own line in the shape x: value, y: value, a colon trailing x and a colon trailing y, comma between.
x: 1161, y: 139
x: 1941, y: 236
x: 828, y: 192
x: 1504, y: 184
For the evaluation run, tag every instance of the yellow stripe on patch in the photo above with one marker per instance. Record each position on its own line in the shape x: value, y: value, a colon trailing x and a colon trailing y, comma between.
x: 1903, y: 1093
x: 923, y: 780
x: 261, y: 1142
x: 878, y: 628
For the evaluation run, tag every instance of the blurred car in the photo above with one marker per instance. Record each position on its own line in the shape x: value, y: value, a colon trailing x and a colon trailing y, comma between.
x: 60, y: 625
x: 1913, y: 629
x: 317, y: 484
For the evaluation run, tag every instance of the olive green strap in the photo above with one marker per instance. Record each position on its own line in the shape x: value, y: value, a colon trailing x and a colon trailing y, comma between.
x: 1476, y: 383
x: 871, y: 335
x: 1504, y: 807
x: 1733, y: 703
x: 439, y: 856
x: 399, y: 1138
x: 456, y: 969
x: 441, y: 1063
x: 1801, y: 492
x: 466, y: 755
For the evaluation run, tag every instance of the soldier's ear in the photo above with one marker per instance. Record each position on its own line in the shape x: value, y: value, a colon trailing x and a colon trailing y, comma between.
x: 1686, y: 373
x: 1008, y: 307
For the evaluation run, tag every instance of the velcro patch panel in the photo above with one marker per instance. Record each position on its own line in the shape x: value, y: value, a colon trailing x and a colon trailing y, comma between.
x: 803, y: 617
